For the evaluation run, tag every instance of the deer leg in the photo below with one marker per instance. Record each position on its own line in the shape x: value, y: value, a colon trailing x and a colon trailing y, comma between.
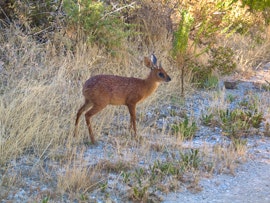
x: 95, y: 109
x: 83, y: 108
x: 132, y: 112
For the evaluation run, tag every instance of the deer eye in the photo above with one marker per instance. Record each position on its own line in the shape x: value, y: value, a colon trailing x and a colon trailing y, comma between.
x: 161, y: 75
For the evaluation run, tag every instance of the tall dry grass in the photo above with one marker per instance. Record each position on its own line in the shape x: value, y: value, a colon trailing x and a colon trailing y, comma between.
x: 42, y: 92
x: 251, y: 51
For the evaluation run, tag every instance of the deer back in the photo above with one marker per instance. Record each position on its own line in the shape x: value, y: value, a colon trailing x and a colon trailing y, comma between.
x: 118, y: 90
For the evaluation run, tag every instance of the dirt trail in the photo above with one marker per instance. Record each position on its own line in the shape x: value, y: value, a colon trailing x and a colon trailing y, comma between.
x: 251, y: 182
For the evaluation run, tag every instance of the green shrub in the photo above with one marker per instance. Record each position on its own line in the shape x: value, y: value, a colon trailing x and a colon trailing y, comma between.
x: 211, y: 82
x: 222, y: 60
x: 180, y: 43
x: 203, y: 76
x: 236, y: 123
x: 257, y: 4
x: 207, y: 119
x: 266, y: 87
x: 37, y: 18
x: 190, y: 159
x: 164, y: 169
x: 97, y: 21
x: 140, y: 193
x: 181, y: 36
x: 238, y: 143
x: 185, y: 128
x: 230, y: 98
x: 232, y: 122
x: 200, y: 73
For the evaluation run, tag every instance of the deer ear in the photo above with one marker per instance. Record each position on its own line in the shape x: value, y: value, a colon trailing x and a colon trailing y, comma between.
x: 154, y: 59
x: 147, y: 62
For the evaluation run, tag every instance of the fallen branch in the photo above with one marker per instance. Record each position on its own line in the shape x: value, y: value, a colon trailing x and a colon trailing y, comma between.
x: 118, y: 9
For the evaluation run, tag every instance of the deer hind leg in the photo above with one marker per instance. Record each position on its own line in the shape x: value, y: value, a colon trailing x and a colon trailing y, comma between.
x: 132, y: 112
x: 83, y: 108
x: 95, y: 109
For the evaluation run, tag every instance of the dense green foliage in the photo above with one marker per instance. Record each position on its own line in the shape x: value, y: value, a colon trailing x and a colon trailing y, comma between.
x: 33, y: 16
x: 98, y: 22
x: 222, y: 60
x: 257, y: 4
x: 182, y: 34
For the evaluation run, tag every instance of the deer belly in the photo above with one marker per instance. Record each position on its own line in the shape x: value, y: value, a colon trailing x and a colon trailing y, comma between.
x: 117, y: 98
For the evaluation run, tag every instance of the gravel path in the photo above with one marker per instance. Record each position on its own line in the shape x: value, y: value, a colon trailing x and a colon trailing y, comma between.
x: 251, y: 182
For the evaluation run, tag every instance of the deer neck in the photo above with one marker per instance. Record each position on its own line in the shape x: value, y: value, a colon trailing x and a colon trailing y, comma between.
x: 151, y: 84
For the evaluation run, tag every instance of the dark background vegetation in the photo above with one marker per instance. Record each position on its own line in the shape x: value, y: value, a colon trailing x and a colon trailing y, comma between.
x: 48, y: 48
x: 190, y: 27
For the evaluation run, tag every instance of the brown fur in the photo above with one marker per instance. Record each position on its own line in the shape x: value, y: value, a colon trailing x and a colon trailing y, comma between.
x: 102, y: 90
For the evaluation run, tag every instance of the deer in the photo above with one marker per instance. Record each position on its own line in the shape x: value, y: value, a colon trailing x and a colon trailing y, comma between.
x: 102, y: 90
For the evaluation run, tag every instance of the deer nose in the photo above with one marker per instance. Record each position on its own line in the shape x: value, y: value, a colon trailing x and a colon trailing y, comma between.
x: 168, y: 79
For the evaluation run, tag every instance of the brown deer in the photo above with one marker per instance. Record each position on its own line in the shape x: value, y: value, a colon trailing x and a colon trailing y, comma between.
x: 101, y: 90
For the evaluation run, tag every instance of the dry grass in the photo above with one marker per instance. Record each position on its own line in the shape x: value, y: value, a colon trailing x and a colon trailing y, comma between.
x: 77, y: 176
x: 40, y: 94
x: 251, y: 52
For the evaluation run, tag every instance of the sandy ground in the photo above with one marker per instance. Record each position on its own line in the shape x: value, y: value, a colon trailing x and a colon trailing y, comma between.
x: 251, y: 182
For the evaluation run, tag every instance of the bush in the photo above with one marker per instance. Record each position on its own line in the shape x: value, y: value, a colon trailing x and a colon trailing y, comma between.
x: 203, y: 76
x: 96, y: 22
x: 186, y: 129
x: 222, y: 60
x: 35, y: 17
x: 236, y: 123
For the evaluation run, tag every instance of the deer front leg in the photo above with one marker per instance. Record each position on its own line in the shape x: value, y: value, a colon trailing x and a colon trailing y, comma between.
x: 132, y: 112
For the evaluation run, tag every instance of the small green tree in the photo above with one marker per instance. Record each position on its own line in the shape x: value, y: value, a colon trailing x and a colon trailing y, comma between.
x: 182, y: 34
x: 180, y: 43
